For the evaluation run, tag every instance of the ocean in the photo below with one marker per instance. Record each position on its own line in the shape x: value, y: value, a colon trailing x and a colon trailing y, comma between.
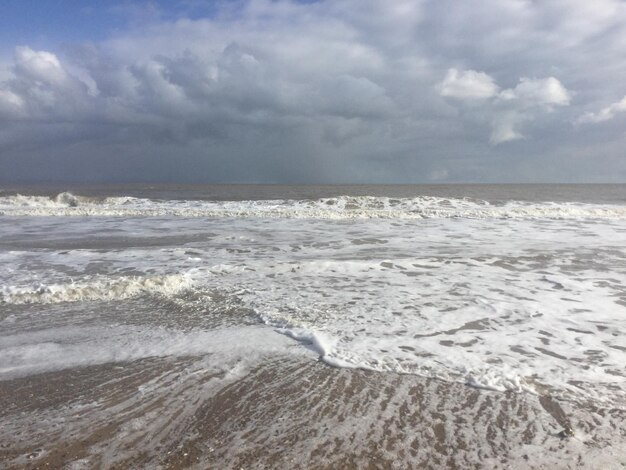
x: 246, y: 326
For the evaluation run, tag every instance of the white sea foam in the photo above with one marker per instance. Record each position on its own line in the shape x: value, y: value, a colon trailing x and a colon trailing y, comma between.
x: 504, y: 305
x: 99, y: 288
x: 61, y: 348
x: 456, y: 289
x: 61, y: 200
x: 335, y: 208
x: 456, y: 321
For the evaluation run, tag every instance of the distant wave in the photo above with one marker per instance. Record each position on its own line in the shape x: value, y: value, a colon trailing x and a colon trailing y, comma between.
x: 341, y: 207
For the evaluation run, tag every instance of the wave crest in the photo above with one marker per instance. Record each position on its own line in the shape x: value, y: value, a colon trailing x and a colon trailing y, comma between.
x: 341, y: 207
x: 95, y: 289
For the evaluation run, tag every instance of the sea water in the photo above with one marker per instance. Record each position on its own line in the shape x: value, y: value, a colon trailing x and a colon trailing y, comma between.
x: 513, y: 287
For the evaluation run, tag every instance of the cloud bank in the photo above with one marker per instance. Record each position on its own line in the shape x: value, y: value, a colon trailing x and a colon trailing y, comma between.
x: 329, y: 91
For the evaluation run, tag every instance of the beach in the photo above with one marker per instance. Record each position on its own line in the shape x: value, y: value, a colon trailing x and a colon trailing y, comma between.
x: 313, y: 327
x: 290, y: 413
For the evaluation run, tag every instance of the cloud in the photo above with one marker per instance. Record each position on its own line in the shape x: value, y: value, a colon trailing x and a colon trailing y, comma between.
x: 468, y: 85
x: 40, y: 88
x: 605, y: 113
x: 504, y: 128
x: 38, y: 66
x: 11, y: 104
x: 530, y: 98
x: 241, y: 82
x: 538, y: 92
x: 507, y: 109
x: 329, y: 91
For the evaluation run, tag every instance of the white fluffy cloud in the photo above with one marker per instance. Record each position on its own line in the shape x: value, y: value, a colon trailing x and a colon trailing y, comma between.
x: 547, y: 91
x: 468, y: 84
x: 605, y: 113
x: 11, y: 104
x: 530, y: 98
x: 41, y: 89
x: 507, y: 109
x: 38, y: 66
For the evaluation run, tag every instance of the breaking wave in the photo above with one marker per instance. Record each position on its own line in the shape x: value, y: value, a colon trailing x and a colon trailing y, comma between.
x: 95, y: 289
x: 341, y: 207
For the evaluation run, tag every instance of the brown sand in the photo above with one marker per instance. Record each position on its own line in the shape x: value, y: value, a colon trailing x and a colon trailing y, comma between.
x: 287, y: 413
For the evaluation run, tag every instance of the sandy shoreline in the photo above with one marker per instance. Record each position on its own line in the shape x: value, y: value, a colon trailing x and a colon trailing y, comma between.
x: 290, y: 413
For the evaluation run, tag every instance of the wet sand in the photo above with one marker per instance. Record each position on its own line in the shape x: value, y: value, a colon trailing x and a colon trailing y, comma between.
x: 290, y: 413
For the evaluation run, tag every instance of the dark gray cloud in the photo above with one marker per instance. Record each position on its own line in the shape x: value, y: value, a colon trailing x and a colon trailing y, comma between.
x: 332, y: 91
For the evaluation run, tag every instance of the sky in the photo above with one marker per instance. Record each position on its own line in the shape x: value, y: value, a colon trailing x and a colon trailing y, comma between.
x: 329, y: 91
